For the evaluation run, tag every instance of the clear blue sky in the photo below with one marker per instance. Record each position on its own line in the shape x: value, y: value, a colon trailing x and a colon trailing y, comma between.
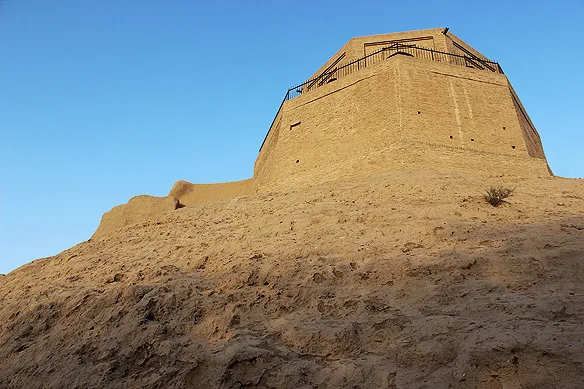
x: 104, y: 100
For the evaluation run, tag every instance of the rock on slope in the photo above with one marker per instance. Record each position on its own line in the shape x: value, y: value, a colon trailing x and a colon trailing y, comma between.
x: 395, y: 280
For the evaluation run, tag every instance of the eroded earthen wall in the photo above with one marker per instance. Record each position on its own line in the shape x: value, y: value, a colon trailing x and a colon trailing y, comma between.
x: 136, y: 210
x: 141, y: 208
x: 188, y: 193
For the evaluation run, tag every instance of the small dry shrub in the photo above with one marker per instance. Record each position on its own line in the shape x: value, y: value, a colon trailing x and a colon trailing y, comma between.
x: 497, y: 194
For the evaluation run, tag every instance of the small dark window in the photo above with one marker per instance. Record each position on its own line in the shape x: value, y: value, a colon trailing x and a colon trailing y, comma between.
x: 513, y: 147
x: 299, y: 160
x: 419, y: 112
x: 472, y: 140
x: 503, y: 127
x: 450, y: 136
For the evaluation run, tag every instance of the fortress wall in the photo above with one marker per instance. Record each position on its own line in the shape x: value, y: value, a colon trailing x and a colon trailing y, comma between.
x: 410, y: 155
x: 369, y: 120
x: 448, y: 158
x: 188, y: 193
x: 474, y: 107
x: 389, y: 158
x: 269, y: 145
x: 141, y: 208
x: 532, y: 139
x: 330, y: 125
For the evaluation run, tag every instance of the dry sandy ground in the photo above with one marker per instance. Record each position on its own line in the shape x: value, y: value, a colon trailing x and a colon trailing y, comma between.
x: 395, y: 280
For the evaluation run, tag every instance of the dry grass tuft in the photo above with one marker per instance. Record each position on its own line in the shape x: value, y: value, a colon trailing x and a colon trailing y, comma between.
x: 497, y: 195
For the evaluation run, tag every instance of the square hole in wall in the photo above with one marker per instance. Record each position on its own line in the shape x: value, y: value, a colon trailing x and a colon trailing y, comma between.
x: 450, y: 136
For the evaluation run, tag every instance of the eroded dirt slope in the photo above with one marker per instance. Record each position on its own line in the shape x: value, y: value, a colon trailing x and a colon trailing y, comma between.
x: 396, y: 280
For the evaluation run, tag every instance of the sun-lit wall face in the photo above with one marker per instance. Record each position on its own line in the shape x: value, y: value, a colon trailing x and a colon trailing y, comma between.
x: 401, y: 112
x: 459, y: 107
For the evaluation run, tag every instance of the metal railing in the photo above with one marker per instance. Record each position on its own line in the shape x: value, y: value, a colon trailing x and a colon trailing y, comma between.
x: 388, y: 52
x: 331, y: 75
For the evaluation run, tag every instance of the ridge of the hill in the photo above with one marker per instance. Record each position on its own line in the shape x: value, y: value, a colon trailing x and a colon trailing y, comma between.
x: 392, y: 280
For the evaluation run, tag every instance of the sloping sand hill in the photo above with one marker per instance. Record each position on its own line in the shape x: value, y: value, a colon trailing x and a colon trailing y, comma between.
x: 394, y: 280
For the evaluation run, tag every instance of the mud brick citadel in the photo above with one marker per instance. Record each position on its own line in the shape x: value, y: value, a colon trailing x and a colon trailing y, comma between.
x: 409, y: 100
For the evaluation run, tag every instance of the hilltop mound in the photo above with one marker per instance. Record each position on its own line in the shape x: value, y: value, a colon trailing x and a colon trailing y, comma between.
x: 392, y: 280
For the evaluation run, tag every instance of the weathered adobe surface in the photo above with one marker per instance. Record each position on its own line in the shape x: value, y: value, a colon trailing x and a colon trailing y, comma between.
x: 137, y: 209
x: 183, y: 193
x: 402, y: 279
x: 189, y: 194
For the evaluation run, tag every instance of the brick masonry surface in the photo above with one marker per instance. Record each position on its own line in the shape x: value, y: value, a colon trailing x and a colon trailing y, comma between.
x: 401, y: 113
